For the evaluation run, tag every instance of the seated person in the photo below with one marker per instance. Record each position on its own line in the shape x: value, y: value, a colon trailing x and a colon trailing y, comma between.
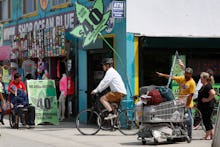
x: 18, y: 96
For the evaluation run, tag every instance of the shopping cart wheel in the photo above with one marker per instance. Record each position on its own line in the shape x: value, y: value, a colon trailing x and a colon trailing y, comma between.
x: 171, y: 140
x: 156, y: 141
x: 144, y: 142
x: 188, y: 139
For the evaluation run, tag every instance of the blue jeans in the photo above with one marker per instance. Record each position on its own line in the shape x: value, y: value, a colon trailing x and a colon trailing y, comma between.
x: 189, y: 120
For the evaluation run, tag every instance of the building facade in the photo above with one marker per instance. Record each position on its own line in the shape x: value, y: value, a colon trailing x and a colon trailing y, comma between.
x: 141, y: 36
x: 40, y: 31
x: 163, y: 27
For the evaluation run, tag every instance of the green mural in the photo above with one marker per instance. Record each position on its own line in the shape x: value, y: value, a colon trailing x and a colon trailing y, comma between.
x: 91, y: 22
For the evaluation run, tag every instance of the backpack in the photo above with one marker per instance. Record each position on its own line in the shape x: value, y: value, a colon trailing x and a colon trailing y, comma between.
x: 166, y: 93
x: 156, y: 97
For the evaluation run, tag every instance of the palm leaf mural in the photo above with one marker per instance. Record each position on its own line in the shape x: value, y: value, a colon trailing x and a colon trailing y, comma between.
x: 92, y: 22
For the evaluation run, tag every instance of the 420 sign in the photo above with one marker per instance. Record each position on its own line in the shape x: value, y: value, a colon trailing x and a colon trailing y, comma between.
x: 92, y: 22
x: 42, y: 95
x: 44, y: 103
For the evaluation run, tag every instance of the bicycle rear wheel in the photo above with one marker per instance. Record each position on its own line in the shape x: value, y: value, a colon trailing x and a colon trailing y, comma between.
x: 88, y: 122
x: 214, y: 115
x: 127, y: 123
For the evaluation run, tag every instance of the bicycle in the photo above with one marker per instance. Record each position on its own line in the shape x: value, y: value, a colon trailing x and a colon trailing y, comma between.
x: 215, y: 111
x: 197, y: 116
x: 90, y: 121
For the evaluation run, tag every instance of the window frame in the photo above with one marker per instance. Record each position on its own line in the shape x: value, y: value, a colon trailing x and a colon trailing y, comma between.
x: 29, y: 14
x: 61, y: 5
x: 9, y: 11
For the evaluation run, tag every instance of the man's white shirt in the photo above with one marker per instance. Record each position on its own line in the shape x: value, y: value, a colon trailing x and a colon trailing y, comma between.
x: 113, y: 80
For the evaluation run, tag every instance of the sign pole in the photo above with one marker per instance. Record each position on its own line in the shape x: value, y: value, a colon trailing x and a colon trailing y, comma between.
x: 171, y: 70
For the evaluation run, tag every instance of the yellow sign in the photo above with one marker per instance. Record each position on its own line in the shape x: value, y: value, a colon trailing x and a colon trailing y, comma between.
x: 43, y: 4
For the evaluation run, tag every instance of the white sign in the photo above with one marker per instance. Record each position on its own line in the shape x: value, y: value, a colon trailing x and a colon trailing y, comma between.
x: 118, y: 9
x: 67, y: 20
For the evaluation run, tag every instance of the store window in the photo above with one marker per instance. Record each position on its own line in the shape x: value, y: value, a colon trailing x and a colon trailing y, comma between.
x: 5, y: 10
x: 59, y: 2
x: 29, y: 6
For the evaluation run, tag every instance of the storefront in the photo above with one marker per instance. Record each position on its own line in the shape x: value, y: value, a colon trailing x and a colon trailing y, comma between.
x: 200, y: 53
x: 43, y: 44
x: 168, y: 27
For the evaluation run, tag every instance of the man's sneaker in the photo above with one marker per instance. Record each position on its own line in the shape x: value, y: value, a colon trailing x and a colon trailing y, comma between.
x: 110, y: 116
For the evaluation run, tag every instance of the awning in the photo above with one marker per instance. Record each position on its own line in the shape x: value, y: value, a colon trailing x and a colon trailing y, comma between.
x: 4, y: 53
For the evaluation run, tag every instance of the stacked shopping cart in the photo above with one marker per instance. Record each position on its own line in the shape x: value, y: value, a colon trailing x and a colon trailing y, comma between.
x: 166, y: 120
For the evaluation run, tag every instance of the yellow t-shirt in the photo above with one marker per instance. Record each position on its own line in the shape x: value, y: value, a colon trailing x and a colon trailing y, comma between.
x: 185, y: 87
x: 1, y: 88
x: 5, y: 75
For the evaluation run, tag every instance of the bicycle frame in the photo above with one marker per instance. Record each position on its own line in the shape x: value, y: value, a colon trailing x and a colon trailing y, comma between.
x: 91, y: 127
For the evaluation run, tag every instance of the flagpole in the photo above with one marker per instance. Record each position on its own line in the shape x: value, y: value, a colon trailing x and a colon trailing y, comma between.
x: 171, y: 70
x: 128, y: 82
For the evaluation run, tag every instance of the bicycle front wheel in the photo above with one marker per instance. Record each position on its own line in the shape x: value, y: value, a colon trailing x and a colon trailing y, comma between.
x: 88, y: 122
x: 127, y: 123
x: 197, y: 118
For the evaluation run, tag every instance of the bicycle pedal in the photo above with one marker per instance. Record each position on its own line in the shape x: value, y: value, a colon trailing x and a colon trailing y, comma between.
x: 115, y: 127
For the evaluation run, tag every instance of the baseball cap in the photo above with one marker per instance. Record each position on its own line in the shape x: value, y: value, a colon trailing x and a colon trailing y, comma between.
x: 107, y: 61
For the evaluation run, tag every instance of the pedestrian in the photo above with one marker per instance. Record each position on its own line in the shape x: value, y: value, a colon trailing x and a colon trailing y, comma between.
x: 186, y: 87
x: 17, y: 95
x: 62, y: 97
x: 6, y: 75
x: 113, y: 80
x: 2, y: 101
x: 206, y: 102
x: 199, y: 84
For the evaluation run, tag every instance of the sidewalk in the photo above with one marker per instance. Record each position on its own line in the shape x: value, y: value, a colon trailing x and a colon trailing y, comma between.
x: 67, y: 135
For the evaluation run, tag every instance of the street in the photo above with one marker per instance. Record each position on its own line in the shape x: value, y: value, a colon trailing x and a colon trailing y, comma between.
x: 66, y: 135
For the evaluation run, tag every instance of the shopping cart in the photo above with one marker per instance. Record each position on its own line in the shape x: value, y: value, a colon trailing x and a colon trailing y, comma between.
x: 163, y: 122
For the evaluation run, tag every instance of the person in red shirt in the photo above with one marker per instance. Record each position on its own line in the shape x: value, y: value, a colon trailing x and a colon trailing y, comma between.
x: 17, y: 83
x: 14, y: 87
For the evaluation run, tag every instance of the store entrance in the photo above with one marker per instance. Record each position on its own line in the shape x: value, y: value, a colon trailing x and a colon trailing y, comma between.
x: 151, y: 61
x: 95, y: 71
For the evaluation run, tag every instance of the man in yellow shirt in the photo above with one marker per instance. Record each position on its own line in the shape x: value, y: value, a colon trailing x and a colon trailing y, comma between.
x: 187, y: 86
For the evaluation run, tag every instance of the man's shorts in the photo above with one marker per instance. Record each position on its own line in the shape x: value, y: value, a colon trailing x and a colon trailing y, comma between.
x: 114, y: 96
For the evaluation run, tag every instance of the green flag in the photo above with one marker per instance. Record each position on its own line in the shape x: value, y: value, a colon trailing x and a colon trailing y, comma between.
x: 91, y: 22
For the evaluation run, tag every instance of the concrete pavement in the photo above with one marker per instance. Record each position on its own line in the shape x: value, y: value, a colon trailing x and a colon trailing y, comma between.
x: 66, y: 135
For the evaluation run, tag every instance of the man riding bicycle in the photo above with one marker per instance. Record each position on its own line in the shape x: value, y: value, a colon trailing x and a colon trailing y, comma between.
x: 113, y: 80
